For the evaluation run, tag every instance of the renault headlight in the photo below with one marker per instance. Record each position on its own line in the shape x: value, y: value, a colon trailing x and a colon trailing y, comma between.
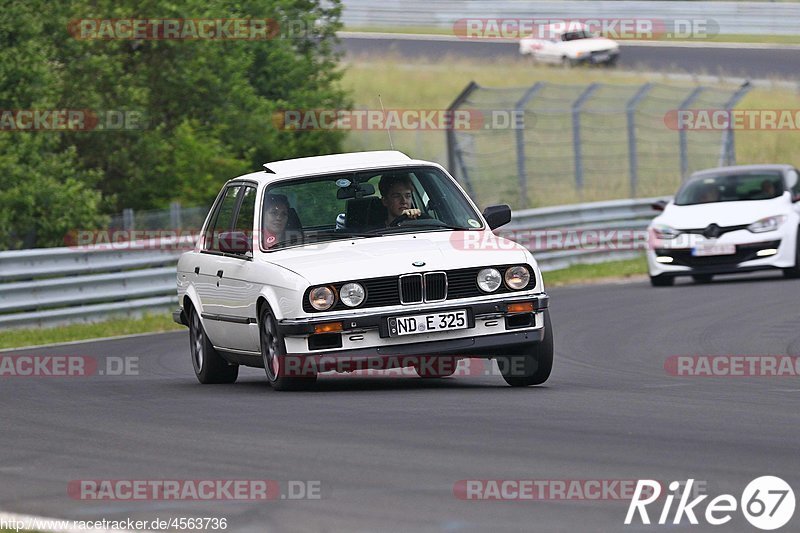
x: 767, y: 224
x: 665, y: 232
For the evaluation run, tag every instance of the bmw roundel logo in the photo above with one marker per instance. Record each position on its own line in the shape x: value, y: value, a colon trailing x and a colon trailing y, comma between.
x: 418, y: 263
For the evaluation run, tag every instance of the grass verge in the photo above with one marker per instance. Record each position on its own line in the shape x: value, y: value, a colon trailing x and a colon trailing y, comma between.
x: 610, y: 271
x: 151, y: 323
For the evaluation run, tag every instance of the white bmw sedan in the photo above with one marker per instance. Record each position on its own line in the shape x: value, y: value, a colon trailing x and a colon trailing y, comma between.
x: 728, y: 220
x: 359, y: 261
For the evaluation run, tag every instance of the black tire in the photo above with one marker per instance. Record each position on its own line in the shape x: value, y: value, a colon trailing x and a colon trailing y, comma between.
x: 702, y: 278
x: 794, y: 272
x: 532, y: 364
x: 662, y: 281
x: 436, y: 367
x: 208, y: 364
x: 273, y: 354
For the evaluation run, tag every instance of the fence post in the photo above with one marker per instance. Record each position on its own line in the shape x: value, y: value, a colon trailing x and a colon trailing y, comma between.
x: 682, y: 132
x: 128, y: 221
x: 630, y: 111
x: 520, y: 135
x: 576, y: 132
x: 452, y: 151
x: 727, y: 155
x: 175, y: 221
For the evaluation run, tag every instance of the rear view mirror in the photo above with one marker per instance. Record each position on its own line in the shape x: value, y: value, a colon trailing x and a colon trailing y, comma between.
x: 234, y: 242
x: 358, y: 190
x: 659, y: 205
x: 497, y: 215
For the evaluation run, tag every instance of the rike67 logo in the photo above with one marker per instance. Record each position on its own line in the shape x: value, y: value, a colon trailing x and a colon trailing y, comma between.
x: 767, y: 503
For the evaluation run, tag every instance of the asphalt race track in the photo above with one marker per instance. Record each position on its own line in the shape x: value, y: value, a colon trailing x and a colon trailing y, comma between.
x: 783, y: 63
x: 388, y: 450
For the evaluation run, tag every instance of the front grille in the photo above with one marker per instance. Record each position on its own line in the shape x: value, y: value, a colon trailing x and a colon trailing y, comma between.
x: 744, y: 252
x: 435, y: 286
x: 411, y: 289
x: 439, y: 286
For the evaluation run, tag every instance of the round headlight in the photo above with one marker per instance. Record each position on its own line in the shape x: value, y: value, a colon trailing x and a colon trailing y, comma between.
x: 321, y: 298
x: 352, y: 294
x: 517, y: 277
x: 489, y: 279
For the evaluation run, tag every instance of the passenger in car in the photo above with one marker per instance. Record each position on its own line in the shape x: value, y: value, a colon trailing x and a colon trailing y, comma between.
x: 768, y: 189
x: 397, y: 198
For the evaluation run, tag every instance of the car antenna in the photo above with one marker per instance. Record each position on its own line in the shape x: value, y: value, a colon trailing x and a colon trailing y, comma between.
x: 387, y: 123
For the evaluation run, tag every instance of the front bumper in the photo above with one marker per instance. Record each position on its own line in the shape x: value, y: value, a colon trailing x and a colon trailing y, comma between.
x: 599, y: 58
x: 746, y: 259
x: 490, y: 327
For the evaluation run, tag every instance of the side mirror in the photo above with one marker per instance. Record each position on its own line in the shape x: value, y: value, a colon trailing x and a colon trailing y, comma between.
x: 234, y: 242
x: 497, y: 215
x: 659, y: 205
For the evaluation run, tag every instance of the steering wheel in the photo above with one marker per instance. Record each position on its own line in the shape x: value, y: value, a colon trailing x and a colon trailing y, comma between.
x: 397, y: 221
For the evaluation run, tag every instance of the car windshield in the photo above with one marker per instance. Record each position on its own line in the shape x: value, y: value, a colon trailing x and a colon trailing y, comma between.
x: 575, y: 35
x: 367, y: 204
x: 730, y: 188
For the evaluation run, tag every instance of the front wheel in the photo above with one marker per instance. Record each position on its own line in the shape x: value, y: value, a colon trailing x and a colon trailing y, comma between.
x: 662, y: 281
x: 208, y: 364
x: 533, y: 364
x: 282, y: 374
x: 794, y: 272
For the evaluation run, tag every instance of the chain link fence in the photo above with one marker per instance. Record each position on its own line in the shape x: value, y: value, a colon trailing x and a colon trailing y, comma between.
x: 583, y: 143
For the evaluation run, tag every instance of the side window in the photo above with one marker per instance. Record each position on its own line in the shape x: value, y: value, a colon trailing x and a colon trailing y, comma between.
x: 795, y: 188
x: 222, y: 219
x: 246, y: 217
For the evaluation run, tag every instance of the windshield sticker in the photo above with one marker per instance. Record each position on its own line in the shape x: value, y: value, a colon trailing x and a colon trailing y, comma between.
x: 343, y: 182
x: 474, y: 223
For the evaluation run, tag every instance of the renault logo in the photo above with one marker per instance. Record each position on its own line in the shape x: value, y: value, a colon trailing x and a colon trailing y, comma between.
x: 712, y: 231
x: 418, y: 263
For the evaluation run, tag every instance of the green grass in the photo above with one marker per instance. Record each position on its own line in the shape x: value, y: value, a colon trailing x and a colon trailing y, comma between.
x: 151, y: 323
x: 722, y: 38
x: 612, y: 270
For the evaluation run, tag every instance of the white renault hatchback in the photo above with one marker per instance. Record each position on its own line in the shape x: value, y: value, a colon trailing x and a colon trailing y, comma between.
x: 728, y: 220
x: 358, y: 261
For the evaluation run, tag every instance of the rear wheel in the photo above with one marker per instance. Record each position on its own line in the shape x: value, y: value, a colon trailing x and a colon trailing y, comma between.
x: 794, y: 272
x: 273, y: 353
x: 703, y: 278
x: 208, y: 364
x: 533, y: 363
x: 662, y: 281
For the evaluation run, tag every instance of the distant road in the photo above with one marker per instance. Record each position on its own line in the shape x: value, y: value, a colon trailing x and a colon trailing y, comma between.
x: 749, y: 61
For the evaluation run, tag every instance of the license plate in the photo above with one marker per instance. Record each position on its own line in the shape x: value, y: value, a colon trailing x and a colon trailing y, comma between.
x: 444, y: 321
x: 599, y: 58
x: 716, y: 249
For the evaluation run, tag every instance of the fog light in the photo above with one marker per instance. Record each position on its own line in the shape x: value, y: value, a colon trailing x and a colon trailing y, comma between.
x: 664, y: 259
x: 526, y: 307
x: 329, y: 327
x: 767, y: 252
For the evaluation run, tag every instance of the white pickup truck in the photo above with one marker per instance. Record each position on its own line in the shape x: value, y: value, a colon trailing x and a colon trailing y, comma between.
x: 569, y: 47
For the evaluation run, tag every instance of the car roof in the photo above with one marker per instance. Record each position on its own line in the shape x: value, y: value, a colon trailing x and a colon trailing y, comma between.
x: 740, y: 169
x: 329, y: 164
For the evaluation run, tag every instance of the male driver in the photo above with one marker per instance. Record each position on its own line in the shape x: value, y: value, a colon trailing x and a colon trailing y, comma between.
x: 397, y: 198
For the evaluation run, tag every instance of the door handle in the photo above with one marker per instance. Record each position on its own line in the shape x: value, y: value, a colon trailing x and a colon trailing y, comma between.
x: 196, y: 270
x: 219, y: 273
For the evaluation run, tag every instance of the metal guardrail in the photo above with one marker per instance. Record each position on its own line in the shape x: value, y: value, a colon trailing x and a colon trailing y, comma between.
x: 742, y: 18
x: 50, y: 286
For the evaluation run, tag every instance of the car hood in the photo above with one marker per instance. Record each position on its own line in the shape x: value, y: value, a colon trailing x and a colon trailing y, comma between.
x: 721, y: 213
x: 393, y: 255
